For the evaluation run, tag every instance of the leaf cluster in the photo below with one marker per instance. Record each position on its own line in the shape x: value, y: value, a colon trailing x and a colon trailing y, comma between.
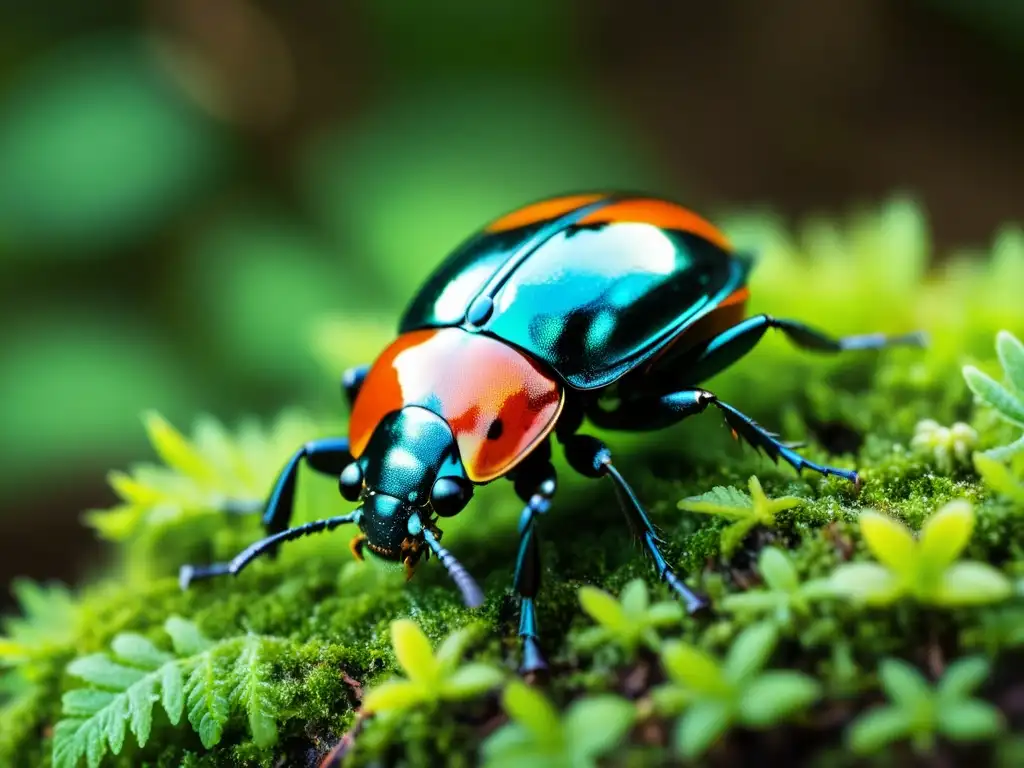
x: 714, y: 695
x: 744, y: 511
x: 630, y: 621
x: 919, y: 712
x: 431, y: 677
x: 541, y: 737
x: 926, y: 570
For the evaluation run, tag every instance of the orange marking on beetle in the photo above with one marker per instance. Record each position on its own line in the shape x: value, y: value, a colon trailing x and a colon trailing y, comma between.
x: 470, y: 380
x: 730, y: 311
x: 542, y: 211
x: 660, y: 213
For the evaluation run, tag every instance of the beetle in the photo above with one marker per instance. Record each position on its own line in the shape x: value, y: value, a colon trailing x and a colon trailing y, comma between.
x: 607, y: 307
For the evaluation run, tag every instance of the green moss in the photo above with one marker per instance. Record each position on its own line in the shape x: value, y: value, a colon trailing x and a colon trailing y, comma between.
x: 332, y: 615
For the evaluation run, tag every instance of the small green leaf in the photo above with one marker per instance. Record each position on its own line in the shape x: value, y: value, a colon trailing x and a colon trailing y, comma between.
x: 723, y: 501
x: 755, y: 601
x: 175, y: 450
x: 903, y: 684
x: 879, y: 727
x: 394, y: 695
x: 750, y: 651
x: 413, y: 650
x: 997, y: 475
x: 664, y: 613
x: 775, y: 695
x: 185, y: 636
x: 86, y: 701
x: 777, y: 571
x: 172, y: 687
x: 451, y: 649
x: 670, y: 699
x: 700, y: 726
x: 100, y: 670
x: 994, y: 394
x: 604, y: 609
x: 945, y: 534
x: 733, y: 535
x: 511, y: 745
x: 1011, y: 355
x: 207, y: 705
x: 889, y: 541
x: 141, y: 698
x: 634, y: 598
x: 471, y: 680
x: 869, y: 583
x: 533, y: 711
x: 137, y: 650
x: 693, y: 668
x: 595, y: 725
x: 971, y: 583
x: 970, y: 720
x: 963, y: 677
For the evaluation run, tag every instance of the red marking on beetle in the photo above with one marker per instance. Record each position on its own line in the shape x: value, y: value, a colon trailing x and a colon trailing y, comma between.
x: 660, y: 213
x: 470, y: 380
x: 541, y: 211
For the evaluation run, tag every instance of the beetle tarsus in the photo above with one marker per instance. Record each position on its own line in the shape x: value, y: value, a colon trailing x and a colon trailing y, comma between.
x: 584, y: 453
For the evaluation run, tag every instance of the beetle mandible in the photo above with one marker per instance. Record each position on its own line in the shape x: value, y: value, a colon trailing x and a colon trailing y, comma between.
x: 520, y: 335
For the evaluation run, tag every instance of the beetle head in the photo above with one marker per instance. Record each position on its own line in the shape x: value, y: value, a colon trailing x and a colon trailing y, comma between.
x: 409, y: 474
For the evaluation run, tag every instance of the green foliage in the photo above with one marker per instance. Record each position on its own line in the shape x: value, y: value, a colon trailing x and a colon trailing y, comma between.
x: 47, y: 623
x: 714, y: 695
x: 926, y: 569
x: 785, y: 596
x: 197, y: 477
x: 541, y: 737
x: 999, y: 477
x: 630, y: 621
x: 745, y: 511
x: 920, y: 713
x: 205, y: 680
x: 332, y: 614
x: 1007, y: 401
x: 431, y: 677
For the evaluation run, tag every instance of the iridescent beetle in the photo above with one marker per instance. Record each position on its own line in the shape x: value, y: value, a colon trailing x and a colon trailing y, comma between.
x: 607, y: 307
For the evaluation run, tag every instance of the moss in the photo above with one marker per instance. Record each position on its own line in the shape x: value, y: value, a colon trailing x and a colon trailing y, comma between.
x: 855, y: 409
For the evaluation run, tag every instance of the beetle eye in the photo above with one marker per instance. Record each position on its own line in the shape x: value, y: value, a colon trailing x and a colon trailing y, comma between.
x: 449, y: 495
x: 351, y: 482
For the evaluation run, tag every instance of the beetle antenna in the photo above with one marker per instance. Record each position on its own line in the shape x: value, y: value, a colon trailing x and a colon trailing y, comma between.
x: 472, y: 595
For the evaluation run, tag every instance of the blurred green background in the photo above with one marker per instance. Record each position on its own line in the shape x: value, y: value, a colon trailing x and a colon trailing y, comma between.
x: 188, y: 186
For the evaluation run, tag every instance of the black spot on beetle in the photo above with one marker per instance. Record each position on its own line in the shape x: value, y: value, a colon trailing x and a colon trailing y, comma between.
x: 495, y: 430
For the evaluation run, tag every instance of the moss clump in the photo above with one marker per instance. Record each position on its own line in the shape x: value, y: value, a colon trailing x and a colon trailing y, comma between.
x: 325, y: 620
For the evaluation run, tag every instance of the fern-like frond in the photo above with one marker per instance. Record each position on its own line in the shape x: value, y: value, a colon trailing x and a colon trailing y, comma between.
x: 209, y: 679
x: 47, y: 621
x: 201, y: 474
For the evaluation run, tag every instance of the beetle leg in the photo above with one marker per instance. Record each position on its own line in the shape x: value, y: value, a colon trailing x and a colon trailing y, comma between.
x: 591, y: 458
x: 528, y: 570
x: 352, y: 381
x: 726, y: 348
x: 328, y: 456
x: 190, y: 573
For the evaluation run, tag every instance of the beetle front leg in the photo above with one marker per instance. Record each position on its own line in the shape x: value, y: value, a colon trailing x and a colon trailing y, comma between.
x: 591, y: 458
x: 536, y: 487
x: 352, y: 381
x: 327, y: 456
